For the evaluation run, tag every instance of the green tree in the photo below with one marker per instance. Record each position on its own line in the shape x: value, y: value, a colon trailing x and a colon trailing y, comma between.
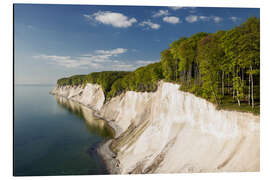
x: 169, y: 66
x: 209, y: 55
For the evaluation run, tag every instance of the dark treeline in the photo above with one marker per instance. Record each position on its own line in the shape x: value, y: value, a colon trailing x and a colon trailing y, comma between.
x: 222, y: 67
x: 104, y: 79
x: 114, y: 83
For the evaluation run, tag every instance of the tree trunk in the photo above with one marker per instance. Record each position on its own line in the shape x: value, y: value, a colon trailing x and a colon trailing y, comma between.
x: 249, y: 82
x: 189, y: 73
x: 252, y: 90
x: 239, y: 104
x: 195, y: 73
x: 175, y: 74
x: 233, y: 88
x: 185, y: 76
x: 228, y: 85
x: 243, y: 77
x: 199, y: 75
x: 176, y: 70
x: 215, y: 96
x: 223, y: 83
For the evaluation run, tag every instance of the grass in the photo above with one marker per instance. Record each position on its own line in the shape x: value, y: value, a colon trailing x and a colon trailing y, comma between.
x: 229, y: 104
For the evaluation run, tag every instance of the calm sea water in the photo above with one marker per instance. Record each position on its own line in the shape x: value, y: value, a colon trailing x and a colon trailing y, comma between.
x: 54, y: 136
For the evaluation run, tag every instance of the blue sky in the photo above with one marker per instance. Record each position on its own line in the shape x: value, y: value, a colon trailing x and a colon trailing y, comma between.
x: 54, y: 41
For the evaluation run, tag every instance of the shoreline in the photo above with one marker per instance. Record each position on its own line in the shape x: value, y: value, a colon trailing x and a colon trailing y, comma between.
x: 108, y: 156
x: 103, y: 148
x: 138, y: 149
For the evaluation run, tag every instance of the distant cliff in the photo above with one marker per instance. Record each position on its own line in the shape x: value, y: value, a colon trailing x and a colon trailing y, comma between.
x: 171, y: 131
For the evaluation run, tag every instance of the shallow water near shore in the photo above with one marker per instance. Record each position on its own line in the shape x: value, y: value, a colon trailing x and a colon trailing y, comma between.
x: 55, y: 136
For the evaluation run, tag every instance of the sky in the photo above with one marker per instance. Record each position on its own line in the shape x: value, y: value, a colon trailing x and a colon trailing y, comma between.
x: 55, y: 41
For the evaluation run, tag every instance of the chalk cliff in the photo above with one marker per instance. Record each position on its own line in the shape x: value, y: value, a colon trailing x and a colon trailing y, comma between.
x: 90, y: 95
x: 170, y: 131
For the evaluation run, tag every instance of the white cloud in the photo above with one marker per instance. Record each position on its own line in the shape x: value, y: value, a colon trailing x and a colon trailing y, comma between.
x: 217, y: 19
x: 51, y: 57
x: 189, y: 9
x: 87, y: 16
x: 234, y: 19
x: 125, y: 67
x: 204, y: 18
x: 94, y: 60
x: 142, y: 62
x: 66, y: 61
x: 149, y: 24
x: 192, y: 18
x: 114, y: 19
x: 104, y: 55
x: 161, y: 13
x: 111, y: 52
x: 171, y: 19
x: 98, y: 60
x: 131, y: 65
x: 176, y: 7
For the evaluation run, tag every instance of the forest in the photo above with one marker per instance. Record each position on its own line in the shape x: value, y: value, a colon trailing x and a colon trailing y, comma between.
x: 221, y: 67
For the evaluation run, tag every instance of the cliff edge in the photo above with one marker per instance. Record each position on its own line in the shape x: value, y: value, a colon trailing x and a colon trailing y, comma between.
x: 170, y: 131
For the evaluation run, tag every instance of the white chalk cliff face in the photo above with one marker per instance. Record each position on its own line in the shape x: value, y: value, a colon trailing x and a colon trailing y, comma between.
x: 91, y: 95
x: 170, y: 131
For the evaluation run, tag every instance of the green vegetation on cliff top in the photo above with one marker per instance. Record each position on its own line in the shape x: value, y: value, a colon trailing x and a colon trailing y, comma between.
x: 222, y: 67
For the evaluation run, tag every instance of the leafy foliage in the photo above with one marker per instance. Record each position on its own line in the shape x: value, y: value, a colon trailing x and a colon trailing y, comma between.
x: 222, y: 67
x: 142, y: 79
x: 114, y: 83
x: 105, y: 79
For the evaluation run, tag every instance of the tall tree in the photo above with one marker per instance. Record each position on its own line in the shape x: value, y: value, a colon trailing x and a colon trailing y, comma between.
x: 209, y: 55
x: 249, y: 52
x: 168, y: 65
